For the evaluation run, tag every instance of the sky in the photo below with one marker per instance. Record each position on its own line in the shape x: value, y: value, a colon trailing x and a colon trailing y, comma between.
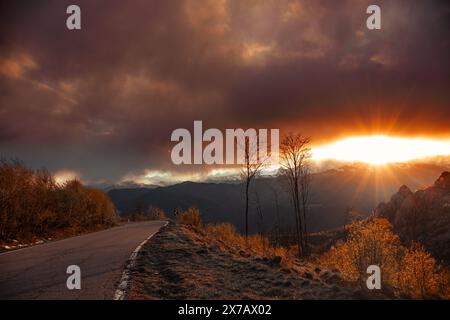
x: 100, y: 103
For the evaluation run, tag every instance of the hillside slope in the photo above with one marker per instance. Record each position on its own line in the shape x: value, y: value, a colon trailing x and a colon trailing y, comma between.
x: 183, y: 263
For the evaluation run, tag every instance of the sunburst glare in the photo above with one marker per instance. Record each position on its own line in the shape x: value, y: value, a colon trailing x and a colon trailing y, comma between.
x: 380, y: 149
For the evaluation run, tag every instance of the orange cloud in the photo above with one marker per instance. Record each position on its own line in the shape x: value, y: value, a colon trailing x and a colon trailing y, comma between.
x: 15, y: 67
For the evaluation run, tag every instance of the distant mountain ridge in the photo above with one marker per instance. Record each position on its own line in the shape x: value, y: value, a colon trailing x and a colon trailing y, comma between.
x: 333, y: 194
x: 124, y: 185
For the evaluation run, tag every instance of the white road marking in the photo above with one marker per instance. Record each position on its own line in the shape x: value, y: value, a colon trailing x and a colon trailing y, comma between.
x: 124, y: 280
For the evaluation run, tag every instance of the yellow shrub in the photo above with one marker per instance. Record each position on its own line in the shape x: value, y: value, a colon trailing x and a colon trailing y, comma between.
x: 418, y: 275
x: 368, y: 243
x: 409, y: 271
x: 191, y: 216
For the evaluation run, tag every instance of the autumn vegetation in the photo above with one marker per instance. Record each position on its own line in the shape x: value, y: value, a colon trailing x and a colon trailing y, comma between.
x: 191, y: 217
x: 408, y: 272
x: 226, y: 233
x: 33, y: 206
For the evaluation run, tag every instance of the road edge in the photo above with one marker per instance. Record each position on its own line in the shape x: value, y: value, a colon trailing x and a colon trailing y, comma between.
x: 120, y: 292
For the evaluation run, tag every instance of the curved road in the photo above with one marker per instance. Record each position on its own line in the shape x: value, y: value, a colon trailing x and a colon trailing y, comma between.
x: 40, y: 272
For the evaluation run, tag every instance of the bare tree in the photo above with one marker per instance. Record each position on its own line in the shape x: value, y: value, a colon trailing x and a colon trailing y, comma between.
x: 294, y: 161
x: 259, y: 213
x: 252, y: 167
x: 277, y: 215
x: 305, y: 179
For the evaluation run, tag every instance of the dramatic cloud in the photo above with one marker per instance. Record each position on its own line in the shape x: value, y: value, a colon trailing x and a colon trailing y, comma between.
x: 102, y: 101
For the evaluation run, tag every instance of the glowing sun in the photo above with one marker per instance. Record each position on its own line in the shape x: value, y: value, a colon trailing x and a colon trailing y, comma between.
x: 379, y: 150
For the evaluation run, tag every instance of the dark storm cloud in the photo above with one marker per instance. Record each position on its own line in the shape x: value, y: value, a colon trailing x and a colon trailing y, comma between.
x: 104, y: 100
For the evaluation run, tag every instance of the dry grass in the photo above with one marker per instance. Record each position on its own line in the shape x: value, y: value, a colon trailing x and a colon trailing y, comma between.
x: 226, y: 234
x: 190, y: 217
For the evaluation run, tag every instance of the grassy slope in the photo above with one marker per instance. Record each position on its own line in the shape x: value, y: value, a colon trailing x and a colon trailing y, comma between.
x: 184, y: 263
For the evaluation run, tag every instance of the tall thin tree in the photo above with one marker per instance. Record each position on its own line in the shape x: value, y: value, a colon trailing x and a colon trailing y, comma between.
x: 252, y: 167
x: 294, y: 156
x: 277, y: 215
x: 305, y: 179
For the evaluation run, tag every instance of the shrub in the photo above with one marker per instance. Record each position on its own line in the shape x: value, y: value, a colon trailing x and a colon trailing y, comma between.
x: 419, y: 275
x: 368, y: 243
x: 191, y: 217
x: 372, y: 242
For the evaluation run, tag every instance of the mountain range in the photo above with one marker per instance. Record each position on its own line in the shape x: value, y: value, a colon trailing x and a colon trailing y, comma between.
x: 333, y: 194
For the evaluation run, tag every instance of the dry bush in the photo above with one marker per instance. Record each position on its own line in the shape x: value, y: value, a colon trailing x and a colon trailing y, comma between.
x: 33, y: 205
x: 372, y: 242
x: 420, y: 276
x: 368, y: 243
x: 191, y: 217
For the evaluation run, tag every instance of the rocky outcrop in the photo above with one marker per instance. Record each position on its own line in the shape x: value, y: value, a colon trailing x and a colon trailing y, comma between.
x: 422, y: 216
x: 444, y: 181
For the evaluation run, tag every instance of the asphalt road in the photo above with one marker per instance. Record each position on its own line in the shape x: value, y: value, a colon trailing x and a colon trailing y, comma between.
x: 40, y: 272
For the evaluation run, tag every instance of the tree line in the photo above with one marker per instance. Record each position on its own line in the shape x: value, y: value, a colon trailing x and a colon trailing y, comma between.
x: 33, y: 205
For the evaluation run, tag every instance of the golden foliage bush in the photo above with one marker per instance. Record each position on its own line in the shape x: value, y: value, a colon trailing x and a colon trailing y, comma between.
x: 367, y: 243
x: 420, y: 276
x: 412, y: 271
x: 191, y: 217
x: 33, y: 205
